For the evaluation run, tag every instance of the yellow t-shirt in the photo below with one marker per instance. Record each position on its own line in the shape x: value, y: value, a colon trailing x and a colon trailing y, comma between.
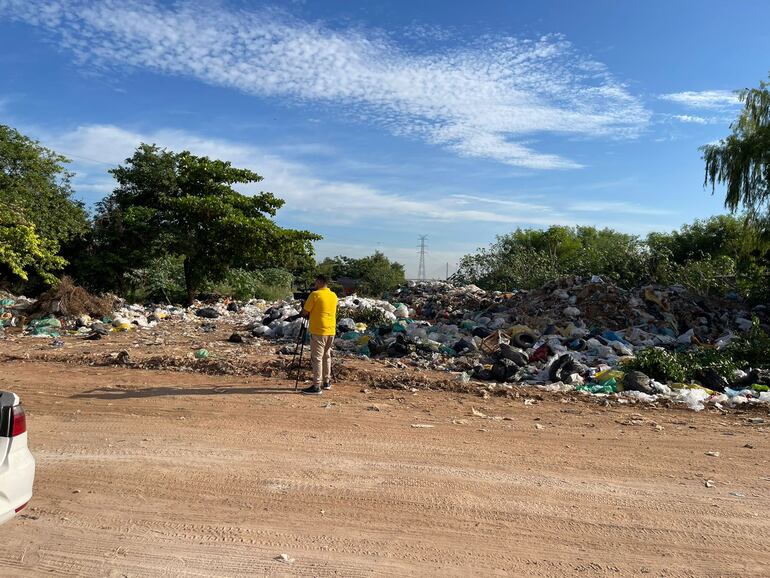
x: 322, y: 306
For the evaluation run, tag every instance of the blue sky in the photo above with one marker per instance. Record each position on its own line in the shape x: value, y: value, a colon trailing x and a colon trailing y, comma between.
x: 378, y: 121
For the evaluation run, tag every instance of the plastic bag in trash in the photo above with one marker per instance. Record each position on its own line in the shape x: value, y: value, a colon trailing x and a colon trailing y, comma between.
x: 694, y: 398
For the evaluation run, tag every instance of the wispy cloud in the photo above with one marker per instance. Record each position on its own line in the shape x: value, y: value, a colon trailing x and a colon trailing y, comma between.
x: 516, y: 203
x: 704, y: 99
x: 522, y: 206
x: 95, y: 148
x: 614, y: 207
x: 691, y: 119
x: 492, y: 98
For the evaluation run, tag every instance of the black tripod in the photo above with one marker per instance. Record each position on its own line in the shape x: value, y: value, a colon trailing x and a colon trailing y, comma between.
x: 301, y: 348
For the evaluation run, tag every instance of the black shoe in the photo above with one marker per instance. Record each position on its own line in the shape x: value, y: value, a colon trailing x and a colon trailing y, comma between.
x: 312, y: 390
x: 327, y: 386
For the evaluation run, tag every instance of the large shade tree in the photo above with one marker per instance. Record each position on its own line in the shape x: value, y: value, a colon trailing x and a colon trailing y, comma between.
x: 741, y: 161
x: 170, y: 203
x: 38, y: 211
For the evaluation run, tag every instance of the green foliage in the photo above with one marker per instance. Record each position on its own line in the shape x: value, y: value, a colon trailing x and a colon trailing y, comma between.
x: 682, y: 367
x: 180, y: 204
x: 741, y: 161
x: 721, y: 361
x: 752, y: 349
x: 714, y: 256
x: 707, y: 276
x: 23, y: 251
x: 375, y: 275
x: 161, y: 281
x: 35, y: 183
x: 659, y: 364
x: 527, y: 258
x: 722, y: 235
x: 38, y: 211
x: 268, y: 284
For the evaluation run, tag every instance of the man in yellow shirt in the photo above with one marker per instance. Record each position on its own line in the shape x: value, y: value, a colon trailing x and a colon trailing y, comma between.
x: 321, y: 309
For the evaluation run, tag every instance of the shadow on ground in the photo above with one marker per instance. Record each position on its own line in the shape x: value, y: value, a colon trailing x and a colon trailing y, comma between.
x: 113, y: 394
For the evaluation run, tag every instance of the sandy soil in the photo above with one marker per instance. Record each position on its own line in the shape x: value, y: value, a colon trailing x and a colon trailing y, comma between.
x: 168, y: 473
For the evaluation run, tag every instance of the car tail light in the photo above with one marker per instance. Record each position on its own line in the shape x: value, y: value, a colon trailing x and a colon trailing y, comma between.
x: 20, y: 508
x: 18, y: 421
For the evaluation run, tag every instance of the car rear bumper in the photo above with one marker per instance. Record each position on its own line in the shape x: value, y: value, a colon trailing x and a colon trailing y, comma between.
x: 17, y: 474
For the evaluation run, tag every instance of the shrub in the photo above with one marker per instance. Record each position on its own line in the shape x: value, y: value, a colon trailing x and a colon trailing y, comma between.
x: 658, y: 364
x: 268, y: 284
x: 161, y: 281
x: 752, y: 349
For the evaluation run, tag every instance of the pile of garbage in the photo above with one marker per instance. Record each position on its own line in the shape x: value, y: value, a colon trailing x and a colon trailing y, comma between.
x: 70, y: 310
x: 444, y: 300
x: 573, y: 334
x: 28, y: 316
x: 570, y: 335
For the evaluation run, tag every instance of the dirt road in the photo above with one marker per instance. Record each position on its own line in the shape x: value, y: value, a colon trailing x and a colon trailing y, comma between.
x: 148, y: 473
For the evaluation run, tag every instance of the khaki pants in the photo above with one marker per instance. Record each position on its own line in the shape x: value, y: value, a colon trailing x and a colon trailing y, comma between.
x: 321, y: 357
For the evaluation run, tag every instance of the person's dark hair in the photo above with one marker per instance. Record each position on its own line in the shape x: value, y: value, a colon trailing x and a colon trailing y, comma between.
x: 322, y: 278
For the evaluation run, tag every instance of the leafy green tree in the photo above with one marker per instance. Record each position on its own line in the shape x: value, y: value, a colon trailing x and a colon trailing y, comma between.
x: 39, y: 214
x: 378, y: 274
x: 717, y: 255
x: 375, y: 274
x: 741, y: 161
x: 528, y: 258
x: 23, y: 251
x: 718, y: 236
x: 180, y: 204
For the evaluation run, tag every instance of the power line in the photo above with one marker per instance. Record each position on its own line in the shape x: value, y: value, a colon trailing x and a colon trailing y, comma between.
x: 421, y: 269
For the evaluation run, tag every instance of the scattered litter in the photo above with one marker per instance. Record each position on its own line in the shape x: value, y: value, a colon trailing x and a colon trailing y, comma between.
x: 422, y: 425
x: 570, y: 335
x: 713, y: 454
x: 709, y: 483
x: 285, y: 559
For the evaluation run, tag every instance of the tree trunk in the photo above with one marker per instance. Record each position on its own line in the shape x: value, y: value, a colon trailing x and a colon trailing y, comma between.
x: 188, y: 281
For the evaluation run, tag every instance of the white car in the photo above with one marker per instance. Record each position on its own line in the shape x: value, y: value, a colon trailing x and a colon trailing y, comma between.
x: 17, y: 466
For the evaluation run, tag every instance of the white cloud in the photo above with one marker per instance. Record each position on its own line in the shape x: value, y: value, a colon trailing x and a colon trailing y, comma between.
x: 488, y: 99
x: 95, y: 148
x: 614, y: 207
x: 514, y: 204
x: 705, y: 99
x: 378, y: 219
x: 692, y: 119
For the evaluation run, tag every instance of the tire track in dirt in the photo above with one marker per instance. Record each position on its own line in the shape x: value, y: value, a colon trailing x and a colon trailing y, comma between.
x: 127, y: 487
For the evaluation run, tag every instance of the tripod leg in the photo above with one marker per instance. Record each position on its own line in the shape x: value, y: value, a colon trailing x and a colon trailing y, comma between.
x: 302, y: 335
x: 296, y: 350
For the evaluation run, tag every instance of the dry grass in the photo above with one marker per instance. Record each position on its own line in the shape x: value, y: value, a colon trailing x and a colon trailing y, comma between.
x: 73, y: 300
